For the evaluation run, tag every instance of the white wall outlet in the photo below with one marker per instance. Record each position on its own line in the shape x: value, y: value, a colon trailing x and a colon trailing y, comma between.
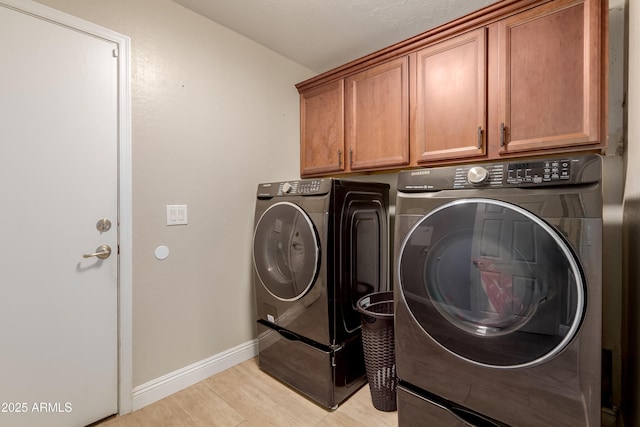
x: 177, y: 215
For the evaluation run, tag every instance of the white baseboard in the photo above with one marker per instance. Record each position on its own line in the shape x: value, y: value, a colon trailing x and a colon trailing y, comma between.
x: 173, y: 382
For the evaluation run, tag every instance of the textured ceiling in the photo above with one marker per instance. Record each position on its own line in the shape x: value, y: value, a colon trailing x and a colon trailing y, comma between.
x: 324, y: 34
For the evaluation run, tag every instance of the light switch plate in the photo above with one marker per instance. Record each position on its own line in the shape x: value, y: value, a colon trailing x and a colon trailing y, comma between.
x: 177, y: 215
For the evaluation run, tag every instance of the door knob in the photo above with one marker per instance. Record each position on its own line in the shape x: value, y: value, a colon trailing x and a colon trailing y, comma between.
x: 101, y: 252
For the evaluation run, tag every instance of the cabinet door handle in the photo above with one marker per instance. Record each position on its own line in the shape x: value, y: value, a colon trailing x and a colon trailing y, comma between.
x: 503, y: 130
x: 479, y: 137
x: 339, y: 158
x: 350, y: 157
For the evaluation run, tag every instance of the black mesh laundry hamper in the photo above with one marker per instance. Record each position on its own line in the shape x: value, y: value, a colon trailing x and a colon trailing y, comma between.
x: 376, y: 312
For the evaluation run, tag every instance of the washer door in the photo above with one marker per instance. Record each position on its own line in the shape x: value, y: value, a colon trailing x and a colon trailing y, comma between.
x: 492, y: 283
x: 286, y: 254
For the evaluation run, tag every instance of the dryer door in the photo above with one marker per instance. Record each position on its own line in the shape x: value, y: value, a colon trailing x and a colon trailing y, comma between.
x: 286, y: 254
x: 492, y: 283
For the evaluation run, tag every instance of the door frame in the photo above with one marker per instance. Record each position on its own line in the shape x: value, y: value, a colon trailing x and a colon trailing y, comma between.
x: 125, y: 235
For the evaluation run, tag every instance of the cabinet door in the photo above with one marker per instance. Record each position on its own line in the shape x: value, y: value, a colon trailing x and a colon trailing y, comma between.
x: 377, y: 114
x: 322, y: 129
x: 550, y: 77
x: 450, y: 111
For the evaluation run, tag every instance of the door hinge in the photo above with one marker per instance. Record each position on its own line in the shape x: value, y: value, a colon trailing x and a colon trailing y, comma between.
x: 115, y: 52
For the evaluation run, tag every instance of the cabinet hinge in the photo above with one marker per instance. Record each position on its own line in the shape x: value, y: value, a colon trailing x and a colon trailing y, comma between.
x: 350, y: 157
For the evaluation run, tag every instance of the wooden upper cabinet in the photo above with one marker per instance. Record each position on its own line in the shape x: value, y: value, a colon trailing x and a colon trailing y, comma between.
x: 550, y: 82
x: 449, y: 113
x: 377, y: 116
x: 322, y: 129
x: 517, y: 78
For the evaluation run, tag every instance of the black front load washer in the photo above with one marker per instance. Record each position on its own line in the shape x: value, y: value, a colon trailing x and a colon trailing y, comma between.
x: 498, y: 314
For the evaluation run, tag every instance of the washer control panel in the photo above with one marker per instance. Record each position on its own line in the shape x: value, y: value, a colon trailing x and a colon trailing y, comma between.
x: 539, y: 172
x: 508, y: 174
x: 478, y: 176
x: 518, y: 174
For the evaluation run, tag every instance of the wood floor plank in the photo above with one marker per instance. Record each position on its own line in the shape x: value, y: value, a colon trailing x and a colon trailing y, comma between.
x: 244, y: 396
x: 257, y: 408
x: 283, y: 396
x: 206, y: 408
x: 359, y: 409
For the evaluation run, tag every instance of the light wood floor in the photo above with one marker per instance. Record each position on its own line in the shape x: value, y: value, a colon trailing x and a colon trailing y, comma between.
x: 247, y: 397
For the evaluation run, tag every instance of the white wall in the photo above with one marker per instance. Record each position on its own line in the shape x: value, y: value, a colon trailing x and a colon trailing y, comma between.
x: 631, y: 227
x: 214, y: 114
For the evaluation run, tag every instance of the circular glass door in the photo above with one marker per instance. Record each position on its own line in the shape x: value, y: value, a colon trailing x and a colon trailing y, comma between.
x: 286, y: 254
x: 492, y: 283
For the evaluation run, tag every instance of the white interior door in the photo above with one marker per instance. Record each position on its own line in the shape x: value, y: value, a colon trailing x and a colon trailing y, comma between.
x: 58, y: 178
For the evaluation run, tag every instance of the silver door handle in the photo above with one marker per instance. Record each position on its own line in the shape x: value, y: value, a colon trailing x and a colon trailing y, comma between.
x: 101, y: 252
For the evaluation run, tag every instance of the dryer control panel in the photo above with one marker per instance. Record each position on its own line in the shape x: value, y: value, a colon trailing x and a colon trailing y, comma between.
x: 304, y: 187
x: 568, y: 170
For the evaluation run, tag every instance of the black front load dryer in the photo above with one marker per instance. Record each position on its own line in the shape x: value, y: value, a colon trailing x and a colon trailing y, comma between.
x: 319, y: 245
